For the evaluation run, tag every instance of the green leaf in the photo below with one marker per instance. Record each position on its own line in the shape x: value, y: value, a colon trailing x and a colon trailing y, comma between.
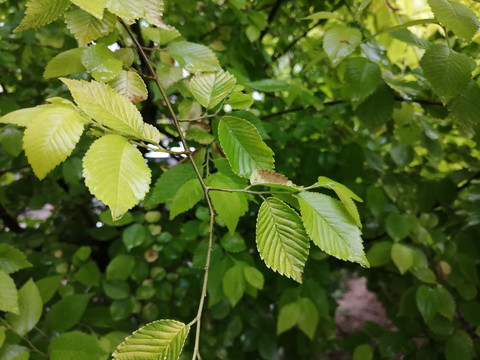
x: 101, y: 62
x: 340, y: 41
x: 361, y: 79
x: 11, y: 140
x: 134, y: 236
x: 288, y: 317
x: 320, y: 15
x: 234, y: 284
x: 402, y: 257
x: 161, y: 35
x: 229, y: 206
x: 240, y: 101
x: 243, y: 146
x: 397, y: 226
x: 427, y: 302
x: 12, y: 259
x: 446, y: 303
x: 89, y: 274
x: 120, y: 267
x: 268, y: 85
x: 465, y: 108
x: 345, y: 194
x: 233, y: 242
x: 162, y: 339
x: 41, y: 12
x: 447, y: 71
x: 8, y: 294
x: 308, y: 320
x: 254, y: 277
x: 272, y: 179
x: 168, y: 75
x: 87, y: 28
x: 14, y: 352
x: 151, y: 134
x: 459, y: 346
x: 128, y: 9
x: 194, y: 57
x: 211, y: 88
x: 105, y: 105
x: 408, y: 37
x: 30, y: 309
x: 48, y: 286
x: 456, y: 17
x: 363, y: 352
x: 93, y: 7
x: 65, y: 63
x: 75, y: 345
x: 51, y: 136
x: 154, y: 12
x: 116, y: 173
x: 200, y: 133
x: 67, y: 312
x: 379, y: 254
x: 281, y: 238
x: 331, y: 228
x: 130, y: 85
x: 186, y: 197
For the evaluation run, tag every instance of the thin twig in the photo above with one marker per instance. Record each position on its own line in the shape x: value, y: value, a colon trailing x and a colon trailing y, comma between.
x: 26, y: 339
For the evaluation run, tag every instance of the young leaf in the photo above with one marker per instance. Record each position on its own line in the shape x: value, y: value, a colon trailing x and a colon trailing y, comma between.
x: 456, y: 17
x: 131, y: 85
x: 8, y: 294
x: 211, y: 88
x: 65, y: 63
x: 340, y: 41
x: 402, y: 256
x: 447, y: 71
x: 65, y: 313
x: 48, y: 286
x: 12, y: 259
x: 116, y: 173
x: 234, y: 284
x: 51, y: 136
x: 361, y: 79
x: 42, y: 12
x: 281, y: 238
x: 150, y: 134
x: 93, y: 7
x: 128, y: 9
x: 254, y: 277
x: 308, y: 320
x: 75, y: 345
x: 100, y: 61
x: 161, y: 35
x: 194, y: 57
x: 162, y: 339
x: 87, y: 28
x: 243, y: 146
x: 288, y: 317
x: 105, y: 105
x: 14, y: 352
x: 330, y: 227
x: 240, y: 101
x: 30, y: 307
x: 154, y: 11
x: 186, y: 197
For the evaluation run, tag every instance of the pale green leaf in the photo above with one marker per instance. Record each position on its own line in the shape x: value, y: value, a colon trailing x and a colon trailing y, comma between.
x: 23, y: 117
x: 8, y: 294
x: 340, y: 41
x: 320, y: 15
x: 67, y: 312
x: 42, y: 12
x: 116, y: 173
x: 281, y: 238
x: 162, y: 339
x: 48, y: 286
x: 243, y: 146
x: 151, y: 134
x: 308, y: 320
x: 380, y: 253
x: 397, y: 226
x: 161, y: 35
x: 30, y: 307
x: 200, y: 133
x: 12, y: 259
x: 408, y: 37
x: 128, y: 9
x: 254, y: 277
x: 272, y: 179
x: 14, y: 352
x: 186, y: 197
x: 448, y: 72
x: 194, y: 57
x: 93, y: 7
x: 105, y: 105
x: 288, y: 317
x: 446, y: 303
x: 154, y: 12
x: 331, y: 228
x: 456, y: 17
x: 65, y: 63
x: 363, y: 352
x: 211, y: 88
x: 361, y: 79
x: 131, y: 85
x: 234, y: 284
x: 402, y: 256
x: 168, y: 75
x: 51, y: 136
x: 75, y: 345
x: 87, y: 28
x: 101, y: 62
x: 269, y: 85
x: 240, y: 101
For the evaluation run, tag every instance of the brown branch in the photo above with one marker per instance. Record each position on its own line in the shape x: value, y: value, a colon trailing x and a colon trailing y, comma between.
x: 271, y: 16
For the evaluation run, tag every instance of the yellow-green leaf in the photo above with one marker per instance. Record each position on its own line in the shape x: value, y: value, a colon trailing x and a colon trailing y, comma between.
x: 131, y: 85
x: 194, y: 57
x: 129, y: 9
x: 87, y: 28
x: 42, y: 12
x: 211, y: 88
x: 65, y: 63
x: 154, y: 11
x: 8, y: 294
x: 93, y: 7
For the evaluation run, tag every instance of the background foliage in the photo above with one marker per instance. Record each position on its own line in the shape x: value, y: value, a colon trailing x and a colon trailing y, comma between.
x: 381, y: 96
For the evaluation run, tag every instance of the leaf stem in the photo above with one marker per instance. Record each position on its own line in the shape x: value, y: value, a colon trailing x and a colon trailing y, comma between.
x: 25, y: 338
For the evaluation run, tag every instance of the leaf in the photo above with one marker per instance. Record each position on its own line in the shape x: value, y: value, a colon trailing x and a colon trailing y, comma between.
x: 75, y: 345
x: 402, y: 257
x: 48, y: 286
x: 161, y: 35
x: 361, y: 79
x: 129, y: 9
x: 427, y: 302
x: 87, y: 28
x: 320, y: 16
x: 288, y: 317
x: 12, y: 259
x: 240, y: 101
x: 363, y: 352
x: 116, y: 173
x: 105, y: 105
x: 186, y: 197
x: 459, y: 346
x: 308, y: 320
x: 272, y: 179
x: 193, y: 57
x: 408, y: 37
x: 447, y: 71
x: 200, y: 133
x: 101, y: 62
x: 446, y: 303
x: 51, y: 136
x: 22, y: 117
x: 93, y: 7
x: 268, y: 85
x: 456, y: 17
x: 340, y: 41
x: 234, y: 284
x: 134, y: 236
x: 345, y: 194
x: 168, y: 75
x: 154, y: 11
x: 41, y: 12
x: 243, y: 146
x: 131, y: 85
x: 397, y: 226
x: 229, y: 206
x: 162, y: 339
x: 120, y: 267
x: 254, y: 277
x: 465, y: 108
x: 65, y: 63
x: 211, y: 88
x: 380, y: 253
x: 8, y: 294
x: 14, y: 352
x: 281, y: 239
x: 67, y: 312
x: 330, y: 227
x: 151, y: 134
x: 30, y: 309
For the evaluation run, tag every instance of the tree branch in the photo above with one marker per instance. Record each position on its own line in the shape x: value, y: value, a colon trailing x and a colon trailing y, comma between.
x: 271, y: 16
